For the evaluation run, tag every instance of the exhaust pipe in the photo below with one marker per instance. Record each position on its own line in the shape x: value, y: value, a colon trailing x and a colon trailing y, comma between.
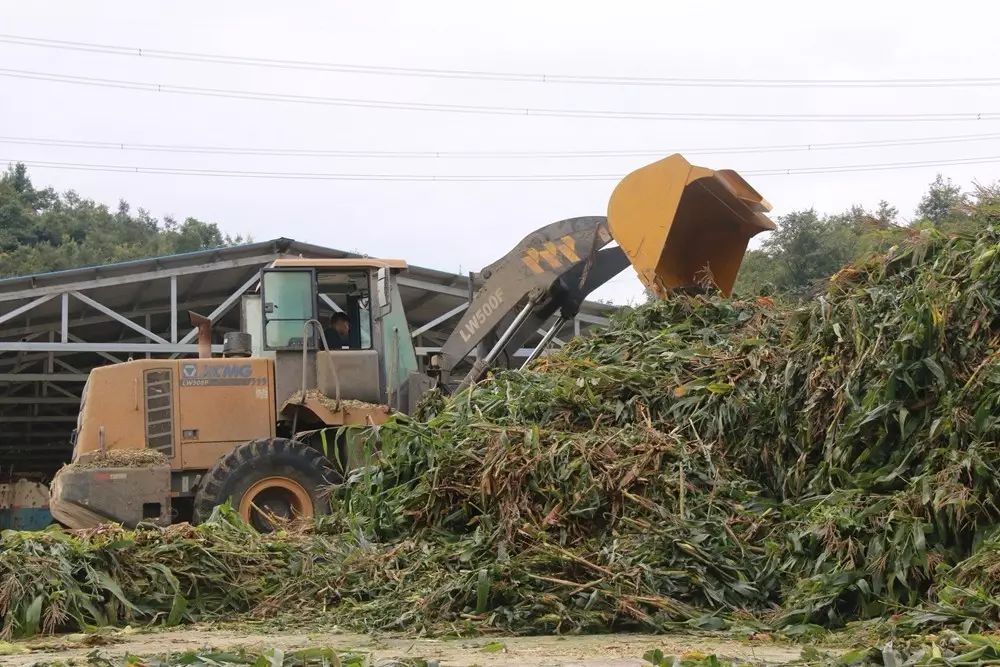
x: 204, y: 334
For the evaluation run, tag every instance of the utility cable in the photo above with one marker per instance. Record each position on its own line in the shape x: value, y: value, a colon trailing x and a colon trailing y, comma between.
x: 305, y: 152
x: 324, y: 176
x: 497, y: 110
x: 676, y: 82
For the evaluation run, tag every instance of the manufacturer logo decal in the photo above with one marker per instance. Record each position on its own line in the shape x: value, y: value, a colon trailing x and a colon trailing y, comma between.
x: 219, y: 375
x: 478, y: 318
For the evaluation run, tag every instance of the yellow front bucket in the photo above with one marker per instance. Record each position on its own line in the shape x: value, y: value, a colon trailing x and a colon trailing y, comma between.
x: 683, y: 225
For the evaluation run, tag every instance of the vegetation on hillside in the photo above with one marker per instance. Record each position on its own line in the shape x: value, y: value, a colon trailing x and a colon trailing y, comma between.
x: 42, y: 230
x: 809, y: 246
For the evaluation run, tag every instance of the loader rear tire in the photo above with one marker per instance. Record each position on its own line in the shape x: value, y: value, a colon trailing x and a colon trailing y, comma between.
x: 276, y: 476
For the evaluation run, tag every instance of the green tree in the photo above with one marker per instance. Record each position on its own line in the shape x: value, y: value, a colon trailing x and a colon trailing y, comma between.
x: 942, y: 201
x: 759, y: 273
x: 886, y: 215
x: 811, y: 248
x: 808, y: 248
x: 41, y: 230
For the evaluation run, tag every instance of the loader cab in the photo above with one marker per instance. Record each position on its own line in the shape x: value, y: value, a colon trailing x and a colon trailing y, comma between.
x: 294, y: 296
x: 380, y: 357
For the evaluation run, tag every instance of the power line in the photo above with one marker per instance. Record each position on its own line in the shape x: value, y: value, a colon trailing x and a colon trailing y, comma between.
x: 304, y: 152
x: 493, y: 110
x: 315, y: 176
x: 878, y: 166
x: 321, y: 176
x: 677, y: 82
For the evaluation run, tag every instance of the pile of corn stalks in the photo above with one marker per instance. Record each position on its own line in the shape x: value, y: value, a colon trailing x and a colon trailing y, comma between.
x: 707, y: 457
x: 702, y: 462
x: 55, y: 580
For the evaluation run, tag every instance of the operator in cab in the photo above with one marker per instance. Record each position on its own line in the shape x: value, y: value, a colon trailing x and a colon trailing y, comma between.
x: 338, y: 334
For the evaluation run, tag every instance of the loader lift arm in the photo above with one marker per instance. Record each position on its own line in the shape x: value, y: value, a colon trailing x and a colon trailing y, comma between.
x: 551, y: 269
x: 675, y: 223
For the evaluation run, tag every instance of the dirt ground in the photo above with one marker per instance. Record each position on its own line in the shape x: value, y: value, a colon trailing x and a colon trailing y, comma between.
x: 619, y: 650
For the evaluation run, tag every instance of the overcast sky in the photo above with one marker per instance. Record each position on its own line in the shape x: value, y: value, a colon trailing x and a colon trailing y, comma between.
x: 463, y: 226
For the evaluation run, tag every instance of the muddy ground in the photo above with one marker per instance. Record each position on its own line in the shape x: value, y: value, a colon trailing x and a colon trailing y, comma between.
x: 619, y: 650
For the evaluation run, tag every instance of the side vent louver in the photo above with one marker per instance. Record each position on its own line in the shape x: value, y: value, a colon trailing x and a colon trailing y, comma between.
x: 160, y: 411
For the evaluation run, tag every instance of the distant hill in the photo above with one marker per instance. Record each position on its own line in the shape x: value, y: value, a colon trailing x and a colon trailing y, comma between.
x: 42, y: 230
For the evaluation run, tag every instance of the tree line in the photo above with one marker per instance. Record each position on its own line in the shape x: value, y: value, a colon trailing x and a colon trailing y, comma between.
x: 809, y: 247
x: 42, y: 230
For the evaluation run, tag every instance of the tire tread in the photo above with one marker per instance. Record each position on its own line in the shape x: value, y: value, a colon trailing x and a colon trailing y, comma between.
x: 217, y: 482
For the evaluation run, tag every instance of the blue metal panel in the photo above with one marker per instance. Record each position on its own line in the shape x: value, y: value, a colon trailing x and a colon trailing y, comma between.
x: 25, y: 518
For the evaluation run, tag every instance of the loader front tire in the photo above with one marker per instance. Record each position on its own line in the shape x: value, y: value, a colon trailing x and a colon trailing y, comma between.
x: 278, y: 477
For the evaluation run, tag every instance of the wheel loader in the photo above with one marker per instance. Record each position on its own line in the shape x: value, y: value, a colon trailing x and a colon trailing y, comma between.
x: 260, y: 425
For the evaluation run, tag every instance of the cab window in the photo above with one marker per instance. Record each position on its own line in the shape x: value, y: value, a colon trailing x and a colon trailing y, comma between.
x: 288, y: 304
x: 346, y: 296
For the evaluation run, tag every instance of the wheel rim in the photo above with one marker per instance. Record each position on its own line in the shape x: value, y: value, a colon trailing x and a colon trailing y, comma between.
x: 281, y: 497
